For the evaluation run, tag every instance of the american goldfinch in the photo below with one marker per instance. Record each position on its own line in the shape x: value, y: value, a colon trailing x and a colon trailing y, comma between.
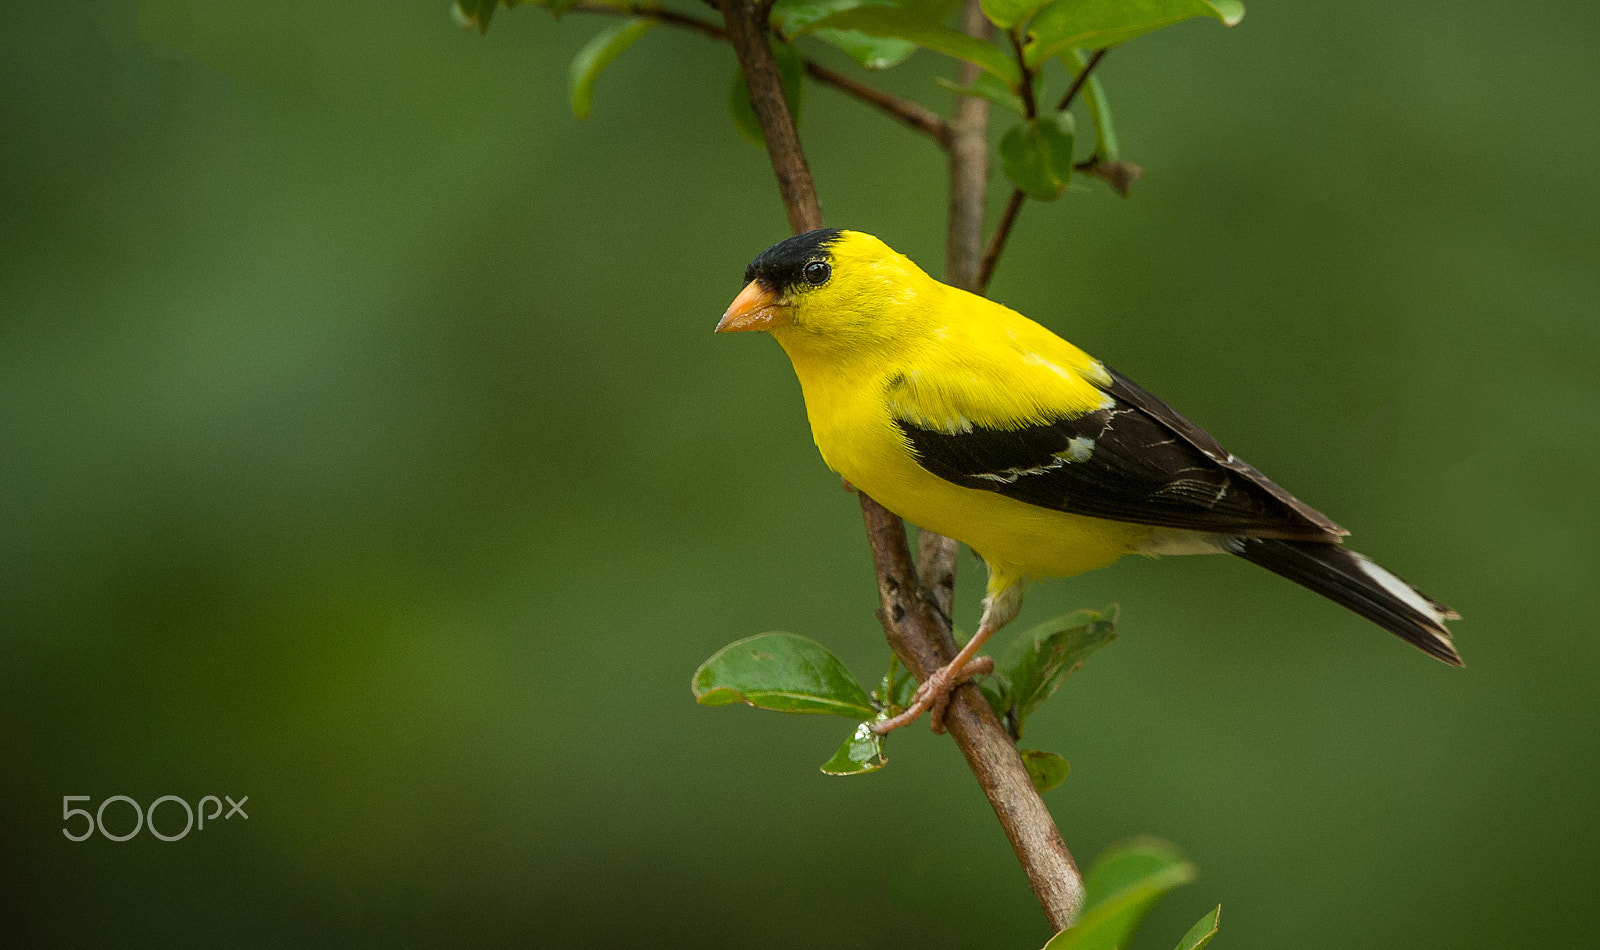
x: 966, y: 418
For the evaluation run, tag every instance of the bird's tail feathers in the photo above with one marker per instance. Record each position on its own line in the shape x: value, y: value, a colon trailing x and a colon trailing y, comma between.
x: 1356, y: 582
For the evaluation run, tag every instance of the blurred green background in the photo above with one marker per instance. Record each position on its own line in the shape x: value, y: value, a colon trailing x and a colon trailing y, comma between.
x: 365, y: 450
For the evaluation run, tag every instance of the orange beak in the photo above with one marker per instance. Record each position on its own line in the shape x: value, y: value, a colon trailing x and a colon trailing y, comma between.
x: 756, y: 308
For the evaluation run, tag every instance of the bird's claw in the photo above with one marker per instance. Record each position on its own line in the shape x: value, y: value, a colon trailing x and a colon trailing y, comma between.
x: 933, y: 696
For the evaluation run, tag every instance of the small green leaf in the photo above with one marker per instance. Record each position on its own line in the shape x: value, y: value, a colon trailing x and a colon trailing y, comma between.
x: 997, y: 700
x: 791, y: 16
x: 1008, y: 13
x: 1201, y: 933
x: 791, y: 73
x: 873, y: 52
x: 986, y: 86
x: 905, y: 24
x: 900, y: 690
x: 1132, y: 865
x: 1056, y: 131
x: 1046, y: 769
x: 1034, y: 664
x: 1096, y: 24
x: 1037, y: 155
x: 861, y: 753
x: 596, y: 55
x: 782, y: 672
x: 1121, y: 886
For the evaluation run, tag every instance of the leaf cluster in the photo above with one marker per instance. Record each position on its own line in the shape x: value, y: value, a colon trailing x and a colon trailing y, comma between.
x: 1032, y: 38
x: 785, y: 672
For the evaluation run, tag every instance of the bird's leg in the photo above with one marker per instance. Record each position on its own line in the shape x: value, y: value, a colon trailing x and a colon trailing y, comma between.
x: 934, y: 693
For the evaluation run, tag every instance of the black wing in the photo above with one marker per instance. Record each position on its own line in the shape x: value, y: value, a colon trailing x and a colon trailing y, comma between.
x: 1135, y: 460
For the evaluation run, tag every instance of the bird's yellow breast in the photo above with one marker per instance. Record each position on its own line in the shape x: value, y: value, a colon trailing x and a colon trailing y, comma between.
x: 978, y: 363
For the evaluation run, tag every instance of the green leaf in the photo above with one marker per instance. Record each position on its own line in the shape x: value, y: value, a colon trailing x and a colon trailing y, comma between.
x: 792, y: 16
x: 1096, y: 24
x: 791, y: 73
x: 1037, y: 155
x: 897, y: 687
x: 782, y: 672
x: 1201, y: 933
x: 905, y: 24
x: 596, y: 55
x: 1046, y: 769
x: 873, y: 52
x: 1008, y: 13
x: 1121, y: 886
x: 986, y: 86
x: 1034, y: 664
x: 997, y: 701
x: 861, y: 753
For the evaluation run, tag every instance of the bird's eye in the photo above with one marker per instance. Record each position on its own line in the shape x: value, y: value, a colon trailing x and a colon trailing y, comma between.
x: 817, y: 273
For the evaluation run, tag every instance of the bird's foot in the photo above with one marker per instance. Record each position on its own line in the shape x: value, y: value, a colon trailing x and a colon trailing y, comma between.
x: 933, y: 696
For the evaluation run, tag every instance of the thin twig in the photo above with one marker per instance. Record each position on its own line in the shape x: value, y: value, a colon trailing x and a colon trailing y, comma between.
x: 908, y: 113
x: 1029, y: 107
x: 671, y: 17
x: 1002, y: 230
x: 1083, y: 77
x: 997, y: 240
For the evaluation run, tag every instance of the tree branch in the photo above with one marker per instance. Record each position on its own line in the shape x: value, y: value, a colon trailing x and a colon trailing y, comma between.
x: 923, y: 643
x: 969, y: 168
x: 914, y: 628
x: 746, y: 21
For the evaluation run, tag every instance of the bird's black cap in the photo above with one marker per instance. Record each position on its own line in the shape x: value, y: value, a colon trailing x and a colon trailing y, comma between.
x: 779, y: 266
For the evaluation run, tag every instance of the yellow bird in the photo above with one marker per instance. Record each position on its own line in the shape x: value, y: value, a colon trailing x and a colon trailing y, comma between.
x: 966, y: 418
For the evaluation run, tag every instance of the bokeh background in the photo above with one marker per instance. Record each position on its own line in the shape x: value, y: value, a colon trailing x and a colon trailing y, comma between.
x: 365, y: 450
